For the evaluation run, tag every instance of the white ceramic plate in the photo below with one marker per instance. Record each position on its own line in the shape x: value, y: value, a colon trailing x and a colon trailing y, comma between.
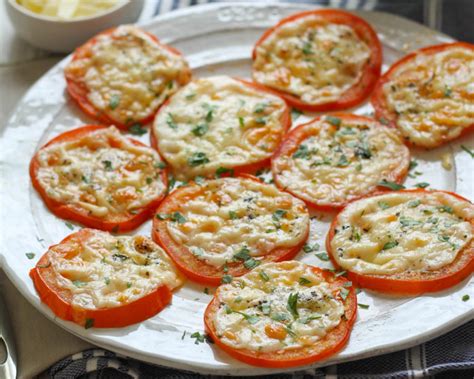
x: 216, y: 39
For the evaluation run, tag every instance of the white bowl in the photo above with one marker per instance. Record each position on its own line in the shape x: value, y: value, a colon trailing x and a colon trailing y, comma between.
x: 63, y: 36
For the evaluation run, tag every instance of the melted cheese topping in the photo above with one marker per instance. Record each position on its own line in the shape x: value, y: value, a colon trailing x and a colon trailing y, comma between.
x: 335, y: 164
x: 433, y: 96
x: 402, y: 231
x: 127, y: 74
x: 218, y: 122
x: 234, y: 219
x: 101, y: 172
x: 255, y: 312
x: 105, y: 271
x: 312, y: 59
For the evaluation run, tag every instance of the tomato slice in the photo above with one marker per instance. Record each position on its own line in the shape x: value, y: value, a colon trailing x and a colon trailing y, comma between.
x: 329, y: 345
x: 340, y: 129
x: 379, y: 101
x: 198, y: 269
x: 251, y: 167
x: 49, y: 283
x: 371, y: 72
x: 410, y: 283
x: 116, y: 222
x: 79, y: 91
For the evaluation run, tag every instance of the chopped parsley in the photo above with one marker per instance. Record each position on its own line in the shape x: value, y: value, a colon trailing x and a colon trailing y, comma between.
x: 178, y: 217
x: 264, y: 276
x: 107, y: 165
x: 79, y: 283
x: 200, y: 130
x: 114, y: 101
x: 304, y: 281
x: 307, y: 248
x: 422, y: 185
x: 323, y: 256
x: 160, y: 164
x: 408, y: 222
x: 466, y: 297
x: 307, y: 48
x: 149, y: 180
x: 199, y: 180
x: 119, y: 257
x: 137, y: 130
x: 445, y: 209
x: 30, y: 255
x: 302, y: 152
x: 233, y: 215
x: 241, y: 122
x: 279, y: 214
x: 295, y: 114
x: 362, y: 150
x: 448, y: 91
x: 292, y: 304
x: 467, y: 150
x: 170, y: 121
x: 336, y: 121
x: 198, y: 337
x: 343, y: 162
x: 391, y: 185
x: 363, y: 306
x: 197, y: 159
x: 344, y: 292
x: 227, y: 279
x: 162, y: 216
x: 69, y: 225
x: 414, y: 203
x: 261, y: 120
x: 260, y: 108
x: 223, y: 170
x: 89, y: 323
x: 251, y: 263
x: 383, y: 205
x: 390, y: 245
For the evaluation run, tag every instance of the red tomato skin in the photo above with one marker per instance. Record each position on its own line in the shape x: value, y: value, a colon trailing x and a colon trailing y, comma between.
x: 333, y: 342
x: 402, y: 285
x: 193, y: 268
x: 78, y: 91
x: 69, y: 212
x: 357, y: 93
x: 250, y: 168
x: 293, y: 137
x: 59, y: 299
x: 380, y: 105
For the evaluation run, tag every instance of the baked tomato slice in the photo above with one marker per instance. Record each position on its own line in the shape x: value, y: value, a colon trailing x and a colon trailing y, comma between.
x: 282, y: 314
x: 225, y: 227
x: 96, y: 176
x: 123, y: 75
x: 99, y: 280
x: 426, y: 94
x: 405, y: 242
x: 319, y: 60
x: 219, y: 123
x: 337, y: 158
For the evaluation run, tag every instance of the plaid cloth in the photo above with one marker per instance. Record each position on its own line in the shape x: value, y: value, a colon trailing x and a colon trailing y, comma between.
x: 450, y: 356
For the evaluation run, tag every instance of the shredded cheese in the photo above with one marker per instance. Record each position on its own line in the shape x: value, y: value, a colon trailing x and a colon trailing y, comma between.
x: 234, y: 215
x: 311, y: 58
x: 218, y: 122
x: 102, y: 172
x: 105, y: 271
x: 258, y: 311
x: 402, y: 231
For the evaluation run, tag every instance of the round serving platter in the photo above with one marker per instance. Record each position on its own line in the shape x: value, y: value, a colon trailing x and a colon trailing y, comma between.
x: 218, y: 39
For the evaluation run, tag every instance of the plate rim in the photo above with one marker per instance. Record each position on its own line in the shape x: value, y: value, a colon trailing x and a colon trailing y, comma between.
x: 181, y: 364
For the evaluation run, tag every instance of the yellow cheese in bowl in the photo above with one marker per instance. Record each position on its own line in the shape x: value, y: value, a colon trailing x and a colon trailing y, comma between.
x: 68, y: 9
